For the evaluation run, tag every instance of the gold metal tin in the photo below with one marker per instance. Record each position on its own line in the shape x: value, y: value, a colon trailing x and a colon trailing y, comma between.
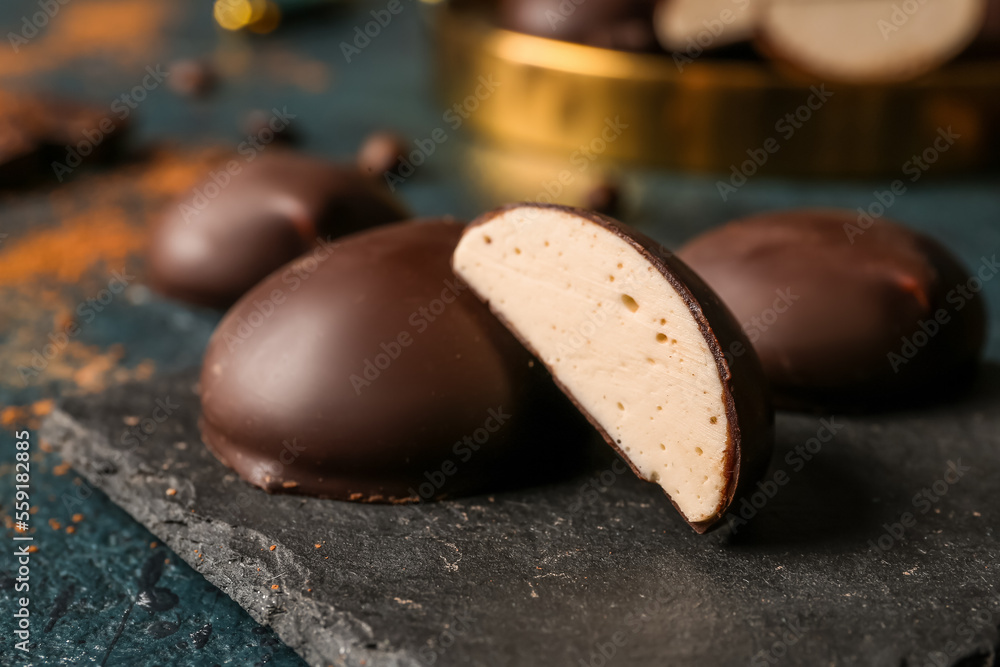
x: 713, y: 115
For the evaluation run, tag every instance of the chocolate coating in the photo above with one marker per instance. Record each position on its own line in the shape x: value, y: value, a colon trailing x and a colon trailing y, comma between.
x: 830, y: 319
x: 615, y: 24
x: 210, y: 251
x: 370, y: 373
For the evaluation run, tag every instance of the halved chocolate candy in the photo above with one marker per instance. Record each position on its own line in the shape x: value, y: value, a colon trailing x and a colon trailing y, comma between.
x: 636, y: 340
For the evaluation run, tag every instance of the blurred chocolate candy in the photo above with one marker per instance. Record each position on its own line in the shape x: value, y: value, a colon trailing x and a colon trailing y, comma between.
x: 875, y: 41
x: 846, y: 311
x: 247, y: 218
x: 626, y: 25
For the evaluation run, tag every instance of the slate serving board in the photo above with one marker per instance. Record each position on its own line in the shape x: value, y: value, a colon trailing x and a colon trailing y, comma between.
x: 877, y: 546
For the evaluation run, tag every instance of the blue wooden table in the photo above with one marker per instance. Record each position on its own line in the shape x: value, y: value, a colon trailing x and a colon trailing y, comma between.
x: 72, y: 254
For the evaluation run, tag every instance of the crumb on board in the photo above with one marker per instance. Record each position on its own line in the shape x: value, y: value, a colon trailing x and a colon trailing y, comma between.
x: 273, y: 547
x: 171, y: 491
x: 60, y: 469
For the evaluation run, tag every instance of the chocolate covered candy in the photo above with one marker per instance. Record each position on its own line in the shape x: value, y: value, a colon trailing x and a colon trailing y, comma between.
x: 248, y: 218
x: 638, y: 343
x: 616, y: 24
x: 368, y: 371
x: 845, y: 314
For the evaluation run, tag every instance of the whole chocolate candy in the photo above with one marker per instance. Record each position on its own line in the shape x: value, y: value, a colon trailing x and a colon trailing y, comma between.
x: 247, y: 219
x: 845, y: 313
x: 626, y: 25
x: 366, y: 370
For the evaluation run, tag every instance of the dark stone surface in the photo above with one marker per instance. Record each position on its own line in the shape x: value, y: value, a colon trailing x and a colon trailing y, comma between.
x: 90, y: 582
x: 600, y: 562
